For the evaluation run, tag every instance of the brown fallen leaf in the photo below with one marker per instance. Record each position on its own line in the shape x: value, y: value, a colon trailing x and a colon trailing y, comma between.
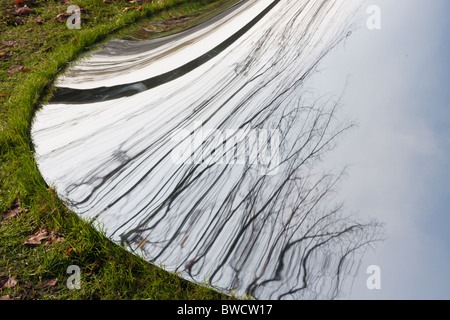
x: 106, y: 1
x: 2, y: 54
x: 9, y: 43
x: 54, y: 238
x: 10, y: 283
x: 13, y: 211
x: 37, y: 20
x: 29, y: 30
x: 12, y: 12
x: 24, y: 11
x: 139, y: 8
x: 49, y: 283
x: 7, y: 297
x: 16, y: 207
x: 62, y: 17
x: 37, y: 237
x: 126, y: 9
x: 43, y: 234
x: 5, y: 95
x: 14, y: 69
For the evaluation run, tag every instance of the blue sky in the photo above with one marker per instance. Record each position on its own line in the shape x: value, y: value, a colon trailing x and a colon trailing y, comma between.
x: 398, y: 92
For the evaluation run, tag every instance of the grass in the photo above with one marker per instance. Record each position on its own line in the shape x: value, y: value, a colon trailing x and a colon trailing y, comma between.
x: 45, y: 47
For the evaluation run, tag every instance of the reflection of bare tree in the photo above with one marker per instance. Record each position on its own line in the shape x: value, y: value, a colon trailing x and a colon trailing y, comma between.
x: 277, y: 236
x: 287, y: 230
x: 277, y: 233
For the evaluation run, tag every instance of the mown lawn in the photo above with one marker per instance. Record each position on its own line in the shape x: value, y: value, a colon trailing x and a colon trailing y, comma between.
x: 39, y: 237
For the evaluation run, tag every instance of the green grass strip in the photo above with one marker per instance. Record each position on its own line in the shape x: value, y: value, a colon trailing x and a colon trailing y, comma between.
x: 28, y: 206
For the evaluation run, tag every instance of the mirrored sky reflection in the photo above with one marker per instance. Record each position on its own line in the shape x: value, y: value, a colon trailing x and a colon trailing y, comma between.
x: 394, y: 84
x: 398, y: 92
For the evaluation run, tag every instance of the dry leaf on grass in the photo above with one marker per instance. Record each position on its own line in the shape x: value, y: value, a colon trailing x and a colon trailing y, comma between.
x: 9, y: 43
x: 37, y: 237
x: 62, y: 17
x: 54, y: 238
x: 49, y: 283
x: 37, y: 20
x: 16, y: 208
x: 11, y: 11
x: 20, y: 11
x: 11, y: 282
x: 14, y: 69
x: 17, y: 68
x: 24, y: 11
x: 43, y: 234
x: 14, y: 211
x: 7, y: 297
